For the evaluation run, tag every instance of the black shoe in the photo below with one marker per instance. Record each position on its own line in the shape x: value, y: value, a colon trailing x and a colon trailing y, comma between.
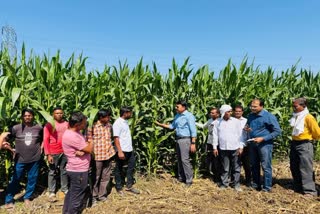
x: 188, y: 184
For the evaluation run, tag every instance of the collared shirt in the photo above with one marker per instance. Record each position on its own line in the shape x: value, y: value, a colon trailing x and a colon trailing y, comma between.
x: 72, y: 142
x: 184, y: 124
x: 245, y: 135
x: 227, y: 134
x: 264, y: 125
x: 209, y: 125
x: 311, y: 129
x: 121, y: 129
x: 100, y: 135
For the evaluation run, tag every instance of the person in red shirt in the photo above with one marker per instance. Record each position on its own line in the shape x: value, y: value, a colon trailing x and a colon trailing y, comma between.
x: 52, y: 143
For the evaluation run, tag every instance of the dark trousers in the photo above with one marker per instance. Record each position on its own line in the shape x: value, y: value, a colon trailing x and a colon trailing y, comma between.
x: 32, y: 171
x: 245, y: 162
x: 185, y: 171
x: 230, y: 159
x: 103, y: 172
x: 301, y: 166
x: 130, y: 162
x: 58, y: 166
x: 73, y: 202
x: 213, y: 164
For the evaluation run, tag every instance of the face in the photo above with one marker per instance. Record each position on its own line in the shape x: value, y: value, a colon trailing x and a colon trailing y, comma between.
x: 127, y: 115
x: 105, y: 119
x: 180, y: 108
x: 297, y: 107
x: 58, y: 115
x: 82, y: 125
x: 255, y: 106
x: 227, y: 115
x: 27, y: 117
x: 238, y: 113
x: 214, y: 114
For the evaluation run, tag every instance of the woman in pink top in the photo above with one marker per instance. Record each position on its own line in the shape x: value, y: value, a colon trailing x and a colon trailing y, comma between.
x: 77, y: 151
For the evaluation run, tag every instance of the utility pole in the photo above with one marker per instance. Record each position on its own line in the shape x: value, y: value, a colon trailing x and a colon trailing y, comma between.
x: 9, y: 40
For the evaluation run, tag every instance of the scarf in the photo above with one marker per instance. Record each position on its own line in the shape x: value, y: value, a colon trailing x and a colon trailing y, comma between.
x: 297, y: 121
x: 224, y: 109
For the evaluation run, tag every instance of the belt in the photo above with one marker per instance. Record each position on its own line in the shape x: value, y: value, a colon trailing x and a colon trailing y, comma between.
x: 183, y: 137
x: 301, y: 141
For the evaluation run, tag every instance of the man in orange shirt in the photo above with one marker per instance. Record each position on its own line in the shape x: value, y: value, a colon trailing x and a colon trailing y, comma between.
x: 305, y: 130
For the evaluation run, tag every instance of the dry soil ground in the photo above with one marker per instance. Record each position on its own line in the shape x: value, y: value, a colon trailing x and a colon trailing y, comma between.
x: 163, y: 194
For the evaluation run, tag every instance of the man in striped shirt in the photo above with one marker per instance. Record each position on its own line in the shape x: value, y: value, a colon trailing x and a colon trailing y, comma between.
x: 100, y: 135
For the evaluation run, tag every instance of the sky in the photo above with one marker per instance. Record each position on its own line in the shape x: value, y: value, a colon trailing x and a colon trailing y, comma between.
x: 276, y: 33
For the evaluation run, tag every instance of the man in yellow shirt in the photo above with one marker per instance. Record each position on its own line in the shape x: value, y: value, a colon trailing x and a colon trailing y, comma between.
x: 305, y: 130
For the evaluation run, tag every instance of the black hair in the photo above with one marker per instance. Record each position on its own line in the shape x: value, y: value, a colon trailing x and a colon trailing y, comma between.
x: 29, y: 110
x: 214, y: 108
x: 125, y: 109
x: 183, y: 103
x: 239, y: 106
x: 261, y: 101
x: 57, y: 108
x: 76, y: 118
x: 103, y: 113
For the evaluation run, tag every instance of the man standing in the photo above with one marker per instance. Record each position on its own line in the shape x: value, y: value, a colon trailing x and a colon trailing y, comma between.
x: 186, y: 134
x: 227, y: 133
x: 123, y: 143
x: 305, y: 130
x: 262, y: 127
x: 52, y: 143
x: 212, y: 162
x: 245, y: 160
x: 78, y: 153
x: 100, y: 135
x: 28, y: 138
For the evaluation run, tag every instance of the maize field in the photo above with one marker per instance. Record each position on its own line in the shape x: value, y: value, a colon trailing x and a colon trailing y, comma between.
x: 43, y: 82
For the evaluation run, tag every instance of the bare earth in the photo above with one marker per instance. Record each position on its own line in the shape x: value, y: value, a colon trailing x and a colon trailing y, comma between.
x: 163, y: 194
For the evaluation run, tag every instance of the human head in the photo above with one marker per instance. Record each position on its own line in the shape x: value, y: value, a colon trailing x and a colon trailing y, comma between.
x: 225, y: 111
x: 125, y: 112
x: 238, y: 111
x: 58, y: 114
x: 104, y: 115
x: 181, y: 106
x: 299, y: 104
x: 27, y: 115
x: 256, y: 105
x: 77, y: 121
x: 214, y: 113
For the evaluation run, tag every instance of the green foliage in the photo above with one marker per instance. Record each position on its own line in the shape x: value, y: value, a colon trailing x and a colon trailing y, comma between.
x: 46, y: 82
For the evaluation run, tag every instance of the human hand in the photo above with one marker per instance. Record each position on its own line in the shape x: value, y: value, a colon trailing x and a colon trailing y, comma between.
x: 50, y: 159
x: 215, y: 152
x: 121, y: 155
x: 80, y: 153
x: 258, y: 139
x: 193, y: 148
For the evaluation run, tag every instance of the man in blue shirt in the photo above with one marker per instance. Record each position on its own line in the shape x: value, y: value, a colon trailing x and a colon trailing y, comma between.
x: 186, y: 134
x: 262, y: 127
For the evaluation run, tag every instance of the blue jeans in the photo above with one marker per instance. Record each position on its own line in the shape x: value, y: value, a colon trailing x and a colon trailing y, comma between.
x: 261, y: 155
x: 32, y: 170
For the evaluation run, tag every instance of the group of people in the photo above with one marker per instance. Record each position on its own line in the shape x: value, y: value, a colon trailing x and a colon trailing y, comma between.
x: 69, y: 147
x: 232, y: 141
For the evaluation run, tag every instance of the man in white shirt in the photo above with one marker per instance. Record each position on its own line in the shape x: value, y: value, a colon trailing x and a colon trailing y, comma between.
x: 245, y: 160
x: 125, y: 156
x: 212, y: 162
x: 227, y: 134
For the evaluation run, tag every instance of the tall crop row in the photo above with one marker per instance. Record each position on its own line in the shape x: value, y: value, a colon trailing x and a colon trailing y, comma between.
x: 45, y: 82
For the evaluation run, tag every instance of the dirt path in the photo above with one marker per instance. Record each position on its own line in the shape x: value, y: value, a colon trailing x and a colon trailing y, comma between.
x: 163, y: 194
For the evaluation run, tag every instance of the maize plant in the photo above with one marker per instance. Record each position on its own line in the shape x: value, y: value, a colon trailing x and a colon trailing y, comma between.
x: 44, y: 82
